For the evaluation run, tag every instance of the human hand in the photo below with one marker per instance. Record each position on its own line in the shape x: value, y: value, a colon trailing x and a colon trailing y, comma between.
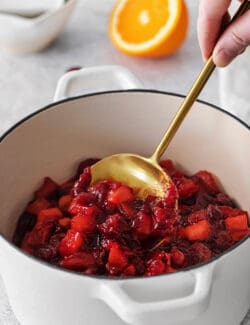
x: 213, y: 17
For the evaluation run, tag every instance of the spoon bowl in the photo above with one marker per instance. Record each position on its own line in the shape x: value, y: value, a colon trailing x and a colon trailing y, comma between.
x: 144, y: 175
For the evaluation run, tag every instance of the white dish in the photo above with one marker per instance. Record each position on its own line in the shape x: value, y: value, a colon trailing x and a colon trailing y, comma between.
x: 20, y: 34
x: 28, y: 8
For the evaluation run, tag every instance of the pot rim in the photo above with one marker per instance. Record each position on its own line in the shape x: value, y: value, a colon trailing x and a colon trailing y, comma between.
x: 101, y: 277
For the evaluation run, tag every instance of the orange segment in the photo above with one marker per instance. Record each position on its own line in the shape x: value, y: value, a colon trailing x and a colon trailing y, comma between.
x: 143, y: 19
x: 147, y: 27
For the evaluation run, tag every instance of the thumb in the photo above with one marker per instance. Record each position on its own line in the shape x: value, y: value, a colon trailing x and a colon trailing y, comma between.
x: 233, y: 41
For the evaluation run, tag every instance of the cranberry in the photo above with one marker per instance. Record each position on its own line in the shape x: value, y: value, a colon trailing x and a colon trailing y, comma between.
x: 26, y: 223
x: 83, y: 199
x: 127, y: 210
x: 117, y: 260
x: 224, y: 199
x: 120, y: 194
x: 114, y: 225
x: 109, y: 207
x: 189, y: 201
x: 186, y: 187
x: 203, y: 200
x: 178, y: 258
x: 199, y: 252
x: 197, y: 216
x: 74, y: 68
x: 155, y: 267
x: 214, y: 213
x: 41, y: 233
x: 86, y: 163
x: 99, y: 191
x: 208, y: 181
x: 104, y: 229
x: 100, y: 257
x: 83, y: 223
x: 78, y: 261
x: 222, y: 240
x: 47, y: 189
x: 142, y: 225
x: 71, y: 243
x: 83, y: 181
x: 130, y: 270
x: 139, y: 264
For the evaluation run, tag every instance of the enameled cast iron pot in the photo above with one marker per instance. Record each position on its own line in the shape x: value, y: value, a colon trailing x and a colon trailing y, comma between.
x: 52, y: 141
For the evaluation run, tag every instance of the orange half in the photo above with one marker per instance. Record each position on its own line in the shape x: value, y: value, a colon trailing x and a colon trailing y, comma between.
x: 148, y: 27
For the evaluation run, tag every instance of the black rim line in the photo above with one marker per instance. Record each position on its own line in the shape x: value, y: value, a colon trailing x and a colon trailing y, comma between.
x: 52, y: 105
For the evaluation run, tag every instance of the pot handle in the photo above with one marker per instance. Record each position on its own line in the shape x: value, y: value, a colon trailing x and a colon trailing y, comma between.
x: 157, y: 312
x: 93, y: 79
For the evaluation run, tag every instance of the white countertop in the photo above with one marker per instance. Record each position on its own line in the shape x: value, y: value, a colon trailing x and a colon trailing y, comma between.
x: 28, y: 82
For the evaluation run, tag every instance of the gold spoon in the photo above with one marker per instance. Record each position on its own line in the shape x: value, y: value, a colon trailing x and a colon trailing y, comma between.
x: 145, y: 174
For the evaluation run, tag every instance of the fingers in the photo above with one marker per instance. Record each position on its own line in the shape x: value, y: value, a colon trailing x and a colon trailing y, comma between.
x: 212, y: 15
x: 233, y: 41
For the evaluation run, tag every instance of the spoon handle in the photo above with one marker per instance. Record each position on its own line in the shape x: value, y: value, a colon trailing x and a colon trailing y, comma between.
x: 192, y: 95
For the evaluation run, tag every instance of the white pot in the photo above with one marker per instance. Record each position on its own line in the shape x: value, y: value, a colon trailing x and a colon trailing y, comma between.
x: 53, y: 141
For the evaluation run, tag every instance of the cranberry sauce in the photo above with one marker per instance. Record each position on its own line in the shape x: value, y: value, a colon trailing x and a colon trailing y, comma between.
x: 104, y: 229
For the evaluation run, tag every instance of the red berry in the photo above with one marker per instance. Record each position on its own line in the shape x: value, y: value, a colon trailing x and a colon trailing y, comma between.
x: 208, y: 180
x: 64, y: 202
x: 52, y: 213
x: 38, y: 205
x: 168, y: 166
x: 237, y: 235
x: 177, y: 257
x: 82, y: 199
x: 65, y: 222
x: 73, y: 68
x: 222, y: 240
x: 197, y: 216
x: 214, y: 214
x: 83, y: 223
x: 107, y: 243
x: 170, y: 269
x: 197, y: 231
x: 71, y: 243
x: 171, y: 195
x: 40, y: 234
x: 82, y: 183
x: 127, y: 209
x: 186, y: 187
x: 230, y: 212
x: 78, y: 261
x: 239, y: 222
x: 84, y: 164
x: 142, y: 225
x: 115, y: 224
x: 164, y: 221
x: 47, y: 189
x: 155, y: 267
x: 99, y: 191
x: 130, y: 270
x: 199, y: 253
x: 117, y: 258
x: 120, y: 195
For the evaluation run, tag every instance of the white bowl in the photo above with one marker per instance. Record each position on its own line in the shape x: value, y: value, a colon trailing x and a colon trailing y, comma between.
x: 20, y: 35
x: 54, y: 140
